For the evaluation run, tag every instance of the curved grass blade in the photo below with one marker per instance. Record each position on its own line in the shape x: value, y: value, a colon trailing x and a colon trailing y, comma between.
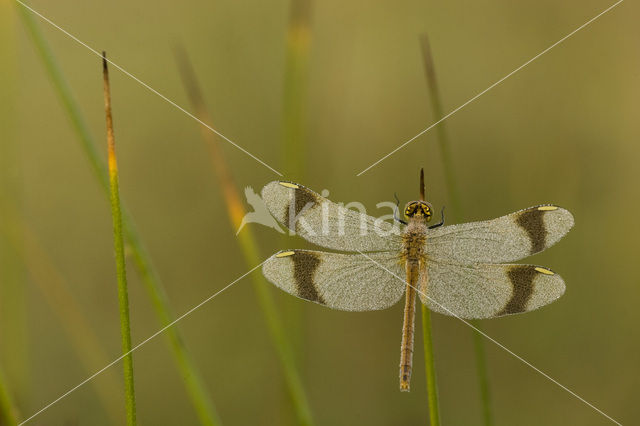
x: 194, y: 383
x: 14, y: 324
x: 65, y: 306
x: 249, y: 247
x: 456, y: 214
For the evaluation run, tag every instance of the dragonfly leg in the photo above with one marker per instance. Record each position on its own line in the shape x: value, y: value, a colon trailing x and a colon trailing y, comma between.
x: 395, y: 212
x: 441, y: 221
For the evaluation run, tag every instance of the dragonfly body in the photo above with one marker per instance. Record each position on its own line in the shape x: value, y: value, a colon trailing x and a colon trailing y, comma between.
x: 414, y: 238
x: 459, y: 270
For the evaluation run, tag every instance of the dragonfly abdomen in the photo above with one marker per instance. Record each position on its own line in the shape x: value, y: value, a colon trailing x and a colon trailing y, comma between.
x: 408, y: 327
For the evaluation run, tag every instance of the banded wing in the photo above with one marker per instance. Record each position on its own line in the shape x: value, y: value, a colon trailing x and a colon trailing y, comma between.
x: 504, y: 239
x: 488, y: 290
x: 348, y: 282
x: 328, y: 224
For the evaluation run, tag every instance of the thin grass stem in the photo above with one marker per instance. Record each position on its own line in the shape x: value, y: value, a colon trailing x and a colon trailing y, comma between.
x: 441, y: 131
x: 457, y: 214
x: 193, y: 380
x: 248, y: 245
x: 294, y: 138
x: 118, y: 242
x: 483, y: 375
x: 429, y: 356
x: 430, y: 368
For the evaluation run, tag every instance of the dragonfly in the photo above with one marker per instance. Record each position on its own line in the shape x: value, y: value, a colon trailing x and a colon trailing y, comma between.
x: 460, y: 270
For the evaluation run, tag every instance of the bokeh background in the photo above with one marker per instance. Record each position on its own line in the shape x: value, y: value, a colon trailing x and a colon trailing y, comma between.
x: 345, y: 90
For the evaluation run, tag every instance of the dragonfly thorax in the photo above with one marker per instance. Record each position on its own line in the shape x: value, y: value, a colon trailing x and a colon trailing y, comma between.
x: 419, y: 209
x: 414, y: 238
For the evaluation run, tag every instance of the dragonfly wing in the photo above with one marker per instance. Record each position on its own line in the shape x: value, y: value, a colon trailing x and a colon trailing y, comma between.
x: 504, y: 239
x: 348, y: 282
x: 326, y: 223
x: 488, y: 290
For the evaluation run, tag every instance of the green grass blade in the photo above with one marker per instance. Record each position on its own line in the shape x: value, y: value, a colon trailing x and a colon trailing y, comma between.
x: 64, y: 94
x: 483, y: 376
x: 118, y: 242
x: 14, y: 323
x: 248, y: 245
x: 457, y: 214
x: 430, y: 368
x: 294, y: 137
x: 429, y: 356
x: 8, y: 411
x: 194, y: 383
x: 441, y: 131
x: 64, y: 304
x: 295, y: 88
x: 277, y: 331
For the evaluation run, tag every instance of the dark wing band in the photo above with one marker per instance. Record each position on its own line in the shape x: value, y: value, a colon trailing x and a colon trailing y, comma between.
x: 349, y: 282
x: 489, y: 290
x: 504, y: 239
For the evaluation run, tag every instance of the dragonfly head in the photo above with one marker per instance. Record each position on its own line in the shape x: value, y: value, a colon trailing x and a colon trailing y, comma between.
x: 420, y: 209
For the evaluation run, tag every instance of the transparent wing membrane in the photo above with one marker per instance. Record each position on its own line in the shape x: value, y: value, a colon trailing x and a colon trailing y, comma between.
x: 326, y: 223
x: 348, y: 282
x: 488, y: 290
x: 504, y: 239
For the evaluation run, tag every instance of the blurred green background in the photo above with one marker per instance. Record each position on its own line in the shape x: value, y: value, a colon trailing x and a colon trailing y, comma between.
x: 563, y: 130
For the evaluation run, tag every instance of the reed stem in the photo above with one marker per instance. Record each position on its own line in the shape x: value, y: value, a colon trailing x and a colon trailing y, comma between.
x: 118, y: 241
x: 193, y: 381
x: 456, y: 214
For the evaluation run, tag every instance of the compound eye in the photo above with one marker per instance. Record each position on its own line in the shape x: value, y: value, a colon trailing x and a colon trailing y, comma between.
x: 410, y: 210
